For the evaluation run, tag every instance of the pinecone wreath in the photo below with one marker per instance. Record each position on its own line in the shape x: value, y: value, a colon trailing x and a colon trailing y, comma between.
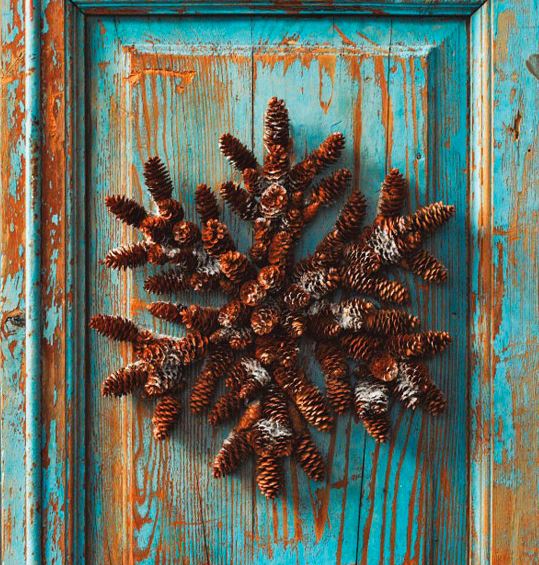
x: 252, y: 341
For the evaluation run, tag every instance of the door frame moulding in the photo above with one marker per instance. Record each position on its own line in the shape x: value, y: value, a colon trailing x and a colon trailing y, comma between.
x: 480, y: 182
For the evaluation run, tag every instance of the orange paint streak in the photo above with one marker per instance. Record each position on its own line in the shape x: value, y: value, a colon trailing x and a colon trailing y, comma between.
x: 322, y: 494
x: 372, y: 490
x: 326, y: 66
x: 344, y: 485
x: 54, y: 299
x: 380, y: 71
x: 346, y: 40
x: 354, y: 65
x: 298, y: 528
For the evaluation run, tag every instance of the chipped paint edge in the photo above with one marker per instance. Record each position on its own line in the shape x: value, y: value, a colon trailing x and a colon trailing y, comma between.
x: 274, y: 7
x: 480, y: 288
x: 32, y: 150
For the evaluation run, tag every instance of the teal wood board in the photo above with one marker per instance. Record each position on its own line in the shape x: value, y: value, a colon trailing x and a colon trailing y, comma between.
x: 170, y: 87
x: 446, y: 91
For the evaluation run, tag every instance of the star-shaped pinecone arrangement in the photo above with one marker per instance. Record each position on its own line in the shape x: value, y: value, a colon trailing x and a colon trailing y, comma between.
x: 337, y: 300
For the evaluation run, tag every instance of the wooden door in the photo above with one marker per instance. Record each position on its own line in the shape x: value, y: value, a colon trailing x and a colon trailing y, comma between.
x: 410, y: 86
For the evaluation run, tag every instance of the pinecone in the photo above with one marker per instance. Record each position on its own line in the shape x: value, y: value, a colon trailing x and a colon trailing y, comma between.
x: 166, y: 414
x: 166, y: 283
x: 186, y: 233
x: 332, y: 360
x: 167, y: 311
x: 377, y: 426
x: 264, y: 319
x: 380, y: 287
x: 434, y: 401
x: 293, y: 324
x: 390, y: 322
x: 215, y: 367
x: 236, y: 267
x: 157, y: 254
x: 206, y: 204
x: 270, y: 277
x: 350, y: 219
x: 361, y: 347
x: 226, y: 407
x: 252, y: 181
x: 412, y: 383
x: 371, y: 396
x: 241, y: 201
x: 269, y: 474
x: 262, y: 234
x: 255, y: 377
x: 431, y: 217
x: 328, y: 153
x: 125, y: 380
x: 423, y: 264
x: 306, y: 396
x: 339, y: 393
x: 216, y: 238
x: 234, y: 450
x: 171, y: 210
x: 127, y: 256
x: 392, y: 194
x: 276, y: 124
x: 234, y: 150
x: 115, y: 327
x: 384, y: 367
x: 327, y: 192
x: 233, y: 313
x: 157, y: 179
x: 252, y: 293
x: 272, y: 433
x: 273, y: 201
x: 276, y: 165
x: 279, y: 249
x: 418, y: 345
x: 155, y: 228
x: 309, y: 457
x: 167, y: 376
x: 126, y: 210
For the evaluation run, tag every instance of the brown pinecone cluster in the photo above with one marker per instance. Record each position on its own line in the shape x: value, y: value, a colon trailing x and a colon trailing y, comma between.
x: 371, y: 352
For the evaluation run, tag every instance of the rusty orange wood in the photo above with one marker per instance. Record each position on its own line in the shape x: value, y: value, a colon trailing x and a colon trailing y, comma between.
x: 453, y: 101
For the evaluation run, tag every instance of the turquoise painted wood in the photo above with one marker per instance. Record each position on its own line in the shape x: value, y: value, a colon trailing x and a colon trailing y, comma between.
x: 170, y: 87
x: 447, y: 96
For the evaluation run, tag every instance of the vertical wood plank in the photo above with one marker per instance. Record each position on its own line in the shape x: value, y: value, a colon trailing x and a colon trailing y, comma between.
x: 303, y: 61
x: 174, y: 102
x: 398, y: 98
x: 12, y: 303
x: 146, y: 516
x: 413, y: 116
x: 504, y: 223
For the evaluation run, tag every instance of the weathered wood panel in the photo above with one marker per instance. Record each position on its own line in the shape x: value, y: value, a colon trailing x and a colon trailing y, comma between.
x: 171, y: 87
x: 12, y: 303
x: 505, y: 353
x: 404, y: 503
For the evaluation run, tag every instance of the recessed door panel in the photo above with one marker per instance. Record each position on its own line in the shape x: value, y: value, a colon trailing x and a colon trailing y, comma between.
x: 397, y: 89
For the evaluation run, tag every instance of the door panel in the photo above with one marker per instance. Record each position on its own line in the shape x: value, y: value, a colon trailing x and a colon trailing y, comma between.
x: 397, y: 89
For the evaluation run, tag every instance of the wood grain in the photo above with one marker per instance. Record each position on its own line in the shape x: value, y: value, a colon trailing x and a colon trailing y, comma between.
x: 172, y: 94
x: 450, y: 101
x: 12, y: 303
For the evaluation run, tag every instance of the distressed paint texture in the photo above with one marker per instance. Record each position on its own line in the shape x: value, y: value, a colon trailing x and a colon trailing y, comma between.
x: 171, y: 87
x: 505, y: 388
x: 12, y: 317
x: 418, y: 94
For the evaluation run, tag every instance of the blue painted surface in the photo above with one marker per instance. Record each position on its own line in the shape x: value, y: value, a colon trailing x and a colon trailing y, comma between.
x: 171, y: 87
x: 32, y: 153
x: 446, y: 490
